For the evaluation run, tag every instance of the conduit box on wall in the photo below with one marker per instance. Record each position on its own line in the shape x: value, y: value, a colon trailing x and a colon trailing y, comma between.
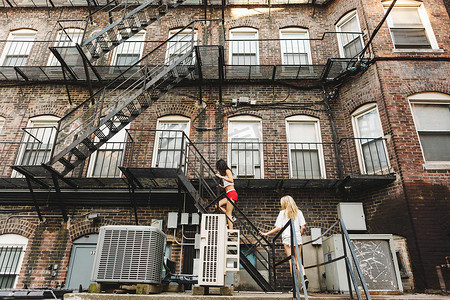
x: 352, y: 213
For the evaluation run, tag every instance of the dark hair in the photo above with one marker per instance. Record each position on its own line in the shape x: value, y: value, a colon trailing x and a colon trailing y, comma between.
x: 222, y: 167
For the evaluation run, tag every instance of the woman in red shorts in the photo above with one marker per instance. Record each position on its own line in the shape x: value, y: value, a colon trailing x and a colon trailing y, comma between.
x: 227, y: 177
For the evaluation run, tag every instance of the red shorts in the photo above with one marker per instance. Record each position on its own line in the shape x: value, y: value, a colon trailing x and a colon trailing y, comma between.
x: 232, y: 195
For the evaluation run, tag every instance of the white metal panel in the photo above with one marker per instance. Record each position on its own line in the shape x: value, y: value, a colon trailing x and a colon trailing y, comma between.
x: 212, y: 250
x: 352, y: 213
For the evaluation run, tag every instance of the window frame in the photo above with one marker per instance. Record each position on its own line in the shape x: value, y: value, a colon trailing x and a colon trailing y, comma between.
x: 424, y: 19
x: 119, y: 138
x: 139, y: 39
x: 320, y: 152
x: 40, y: 120
x: 2, y: 123
x: 175, y: 119
x: 233, y: 39
x: 246, y: 119
x: 342, y: 21
x: 61, y: 41
x: 429, y: 98
x: 186, y: 32
x: 359, y: 112
x: 19, y: 32
x: 15, y: 240
x: 295, y: 30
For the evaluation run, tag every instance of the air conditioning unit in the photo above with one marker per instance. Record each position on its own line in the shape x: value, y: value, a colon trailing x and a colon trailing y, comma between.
x: 219, y: 250
x: 129, y: 254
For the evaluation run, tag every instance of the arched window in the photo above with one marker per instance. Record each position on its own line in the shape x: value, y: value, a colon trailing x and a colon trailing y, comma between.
x: 244, y: 48
x: 245, y: 146
x: 65, y: 38
x: 369, y: 139
x: 409, y: 25
x: 37, y: 142
x: 295, y: 48
x: 130, y: 51
x: 349, y: 35
x: 170, y: 141
x: 306, y: 160
x: 12, y: 249
x: 18, y: 47
x: 431, y: 113
x: 180, y: 44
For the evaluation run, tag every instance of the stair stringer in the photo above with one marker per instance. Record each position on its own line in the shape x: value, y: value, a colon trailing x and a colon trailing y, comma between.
x: 148, y: 85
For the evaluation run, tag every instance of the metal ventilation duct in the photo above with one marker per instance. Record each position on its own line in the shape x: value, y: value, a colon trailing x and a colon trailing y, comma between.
x: 129, y: 254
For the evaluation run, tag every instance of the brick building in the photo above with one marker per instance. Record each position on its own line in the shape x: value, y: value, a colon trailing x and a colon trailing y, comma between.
x: 101, y: 102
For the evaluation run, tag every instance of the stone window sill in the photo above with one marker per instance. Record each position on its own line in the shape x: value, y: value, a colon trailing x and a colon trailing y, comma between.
x: 418, y: 50
x: 437, y: 165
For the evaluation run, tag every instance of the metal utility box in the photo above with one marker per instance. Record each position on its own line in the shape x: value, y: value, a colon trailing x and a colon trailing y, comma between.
x: 129, y: 254
x: 219, y: 250
x: 377, y: 259
x: 352, y: 213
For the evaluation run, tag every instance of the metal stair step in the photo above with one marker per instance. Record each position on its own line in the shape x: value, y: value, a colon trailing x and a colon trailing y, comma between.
x: 142, y: 99
x: 111, y: 126
x: 89, y: 144
x: 98, y: 133
x: 78, y: 153
x: 66, y: 163
x: 132, y: 109
x: 123, y: 117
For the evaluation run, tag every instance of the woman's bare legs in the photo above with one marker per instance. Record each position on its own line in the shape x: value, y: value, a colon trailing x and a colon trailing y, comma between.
x: 228, y: 210
x: 287, y: 249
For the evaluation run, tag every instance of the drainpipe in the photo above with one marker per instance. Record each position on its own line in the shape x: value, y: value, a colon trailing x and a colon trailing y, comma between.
x: 326, y: 97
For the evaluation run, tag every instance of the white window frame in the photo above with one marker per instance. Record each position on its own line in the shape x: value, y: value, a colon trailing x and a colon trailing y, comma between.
x: 429, y: 98
x: 119, y: 138
x: 358, y: 144
x: 176, y: 119
x: 299, y: 31
x: 423, y: 17
x: 2, y: 123
x: 246, y: 119
x: 39, y: 121
x: 306, y: 119
x: 31, y: 34
x: 234, y: 36
x: 173, y: 46
x: 15, y: 240
x: 65, y: 38
x: 342, y: 21
x: 138, y: 39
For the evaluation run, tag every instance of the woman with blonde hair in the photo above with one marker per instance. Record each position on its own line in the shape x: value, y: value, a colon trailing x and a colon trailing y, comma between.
x: 290, y: 211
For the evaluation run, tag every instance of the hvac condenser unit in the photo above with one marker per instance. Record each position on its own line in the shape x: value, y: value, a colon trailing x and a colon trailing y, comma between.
x: 129, y: 254
x: 219, y: 250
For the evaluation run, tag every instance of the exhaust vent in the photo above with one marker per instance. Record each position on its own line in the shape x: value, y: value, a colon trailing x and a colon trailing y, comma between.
x: 129, y: 254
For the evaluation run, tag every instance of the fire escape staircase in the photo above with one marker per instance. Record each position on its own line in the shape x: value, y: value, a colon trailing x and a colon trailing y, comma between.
x: 199, y: 180
x: 116, y: 22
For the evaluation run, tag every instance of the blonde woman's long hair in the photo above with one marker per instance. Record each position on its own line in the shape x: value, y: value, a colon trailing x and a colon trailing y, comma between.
x: 289, y: 206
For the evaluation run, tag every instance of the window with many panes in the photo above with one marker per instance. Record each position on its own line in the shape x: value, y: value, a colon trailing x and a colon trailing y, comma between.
x: 245, y: 146
x: 306, y: 159
x: 105, y: 162
x: 244, y: 49
x: 18, y: 47
x: 409, y: 26
x: 431, y: 112
x: 349, y: 35
x: 180, y: 44
x: 295, y: 48
x: 38, y: 139
x: 130, y: 51
x: 370, y: 144
x: 170, y: 141
x: 65, y: 38
x: 12, y: 249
